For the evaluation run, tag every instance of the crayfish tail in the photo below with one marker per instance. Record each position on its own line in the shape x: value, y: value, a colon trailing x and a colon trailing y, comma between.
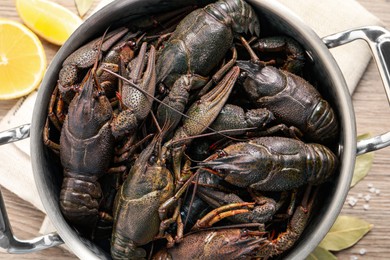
x: 241, y: 15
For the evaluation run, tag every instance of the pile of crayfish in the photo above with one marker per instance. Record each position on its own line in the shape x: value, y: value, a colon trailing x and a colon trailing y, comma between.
x: 190, y: 135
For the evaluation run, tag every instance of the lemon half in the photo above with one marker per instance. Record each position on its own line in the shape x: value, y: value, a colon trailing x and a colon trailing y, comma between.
x: 49, y: 20
x: 22, y: 60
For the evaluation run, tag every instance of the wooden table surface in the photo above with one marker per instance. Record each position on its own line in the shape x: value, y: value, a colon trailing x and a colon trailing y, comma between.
x: 372, y: 115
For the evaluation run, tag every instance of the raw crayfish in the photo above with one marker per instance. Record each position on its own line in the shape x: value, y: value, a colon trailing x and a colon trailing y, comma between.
x: 86, y: 149
x: 276, y: 89
x: 236, y: 243
x: 273, y: 163
x: 202, y: 39
x: 248, y: 175
x: 138, y: 200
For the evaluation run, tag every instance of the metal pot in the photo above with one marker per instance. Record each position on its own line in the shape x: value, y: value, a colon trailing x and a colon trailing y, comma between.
x: 48, y: 176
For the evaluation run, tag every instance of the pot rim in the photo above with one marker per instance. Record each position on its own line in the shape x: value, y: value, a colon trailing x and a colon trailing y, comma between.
x: 84, y: 248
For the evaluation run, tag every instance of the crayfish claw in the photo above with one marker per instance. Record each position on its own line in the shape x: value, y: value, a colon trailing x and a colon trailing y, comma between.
x: 135, y: 102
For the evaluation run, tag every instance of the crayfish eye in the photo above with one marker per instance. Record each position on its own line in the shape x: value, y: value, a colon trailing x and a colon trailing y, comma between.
x: 162, y: 89
x: 132, y: 44
x: 243, y: 76
x: 221, y: 153
x: 152, y: 159
x: 244, y: 232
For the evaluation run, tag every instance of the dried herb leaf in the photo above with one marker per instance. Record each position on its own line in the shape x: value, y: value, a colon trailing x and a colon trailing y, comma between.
x: 363, y: 164
x: 345, y: 232
x: 320, y: 253
x: 363, y: 136
x: 83, y: 6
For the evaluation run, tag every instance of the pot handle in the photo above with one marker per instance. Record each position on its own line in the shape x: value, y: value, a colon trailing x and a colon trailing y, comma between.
x: 8, y: 242
x: 378, y: 39
x: 15, y: 134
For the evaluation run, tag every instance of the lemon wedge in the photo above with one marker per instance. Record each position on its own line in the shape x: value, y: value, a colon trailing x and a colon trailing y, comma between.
x: 49, y: 20
x: 22, y: 60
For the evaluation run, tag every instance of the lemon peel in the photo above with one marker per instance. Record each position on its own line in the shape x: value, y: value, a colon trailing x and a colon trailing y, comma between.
x: 22, y: 60
x: 49, y: 20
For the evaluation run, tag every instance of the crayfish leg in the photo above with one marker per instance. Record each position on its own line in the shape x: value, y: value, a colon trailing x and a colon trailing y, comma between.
x: 56, y: 105
x: 163, y: 209
x: 291, y: 131
x: 222, y: 212
x: 176, y: 217
x: 220, y: 73
x: 295, y: 54
x: 46, y: 139
x: 295, y: 227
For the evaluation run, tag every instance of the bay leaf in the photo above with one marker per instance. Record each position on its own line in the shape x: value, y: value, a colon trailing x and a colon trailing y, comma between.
x: 83, y: 6
x: 320, y: 253
x: 363, y: 136
x: 345, y: 232
x: 363, y: 163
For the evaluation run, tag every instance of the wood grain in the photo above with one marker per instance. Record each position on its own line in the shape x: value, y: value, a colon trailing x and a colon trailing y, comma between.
x: 372, y: 116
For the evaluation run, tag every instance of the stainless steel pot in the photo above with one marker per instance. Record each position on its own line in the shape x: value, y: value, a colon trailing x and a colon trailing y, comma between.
x: 48, y: 176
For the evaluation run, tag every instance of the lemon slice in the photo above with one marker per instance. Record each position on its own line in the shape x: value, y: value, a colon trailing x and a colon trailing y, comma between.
x: 49, y: 20
x: 22, y: 60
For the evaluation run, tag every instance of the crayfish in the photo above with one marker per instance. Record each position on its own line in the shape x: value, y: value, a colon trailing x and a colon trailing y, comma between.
x: 178, y: 133
x: 86, y: 149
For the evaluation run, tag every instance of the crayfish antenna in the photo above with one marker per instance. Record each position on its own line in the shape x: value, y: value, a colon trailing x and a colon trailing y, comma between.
x: 221, y: 132
x: 172, y: 108
x: 254, y: 57
x: 99, y: 50
x: 95, y: 65
x: 155, y: 121
x: 192, y: 199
